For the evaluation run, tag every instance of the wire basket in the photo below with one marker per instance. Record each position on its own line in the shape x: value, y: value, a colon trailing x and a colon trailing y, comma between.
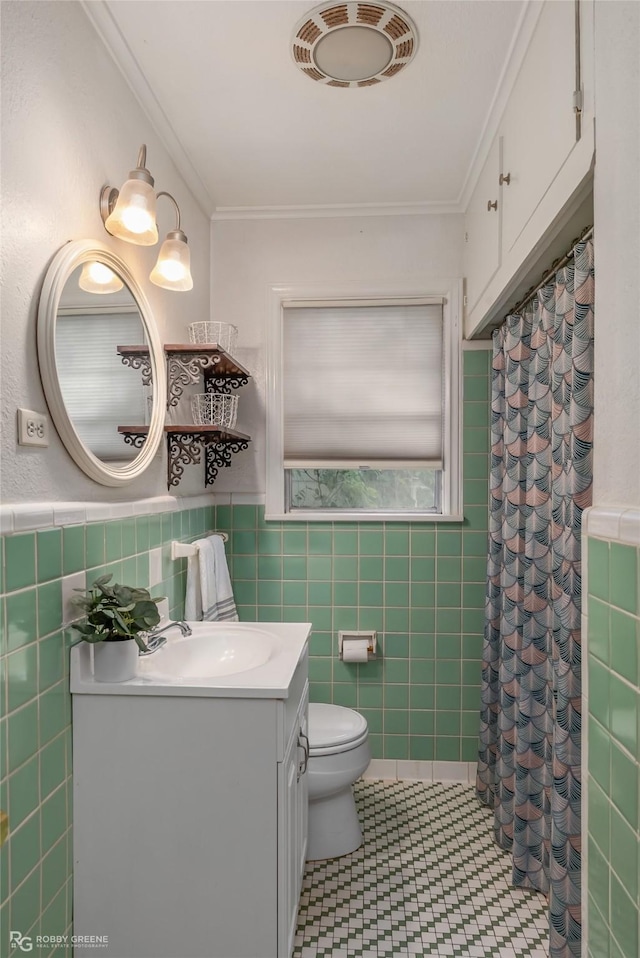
x: 224, y: 334
x: 214, y: 409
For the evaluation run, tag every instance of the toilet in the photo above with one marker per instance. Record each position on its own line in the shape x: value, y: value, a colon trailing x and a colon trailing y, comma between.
x: 339, y: 753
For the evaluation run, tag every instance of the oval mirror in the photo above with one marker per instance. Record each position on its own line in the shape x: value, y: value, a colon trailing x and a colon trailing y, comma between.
x: 101, y: 363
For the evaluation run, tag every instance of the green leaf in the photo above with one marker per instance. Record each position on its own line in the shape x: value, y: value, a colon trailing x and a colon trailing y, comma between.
x: 101, y: 580
x: 140, y: 643
x: 121, y: 622
x: 105, y: 589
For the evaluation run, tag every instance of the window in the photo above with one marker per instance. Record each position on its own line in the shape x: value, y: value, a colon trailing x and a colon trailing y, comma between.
x: 363, y: 411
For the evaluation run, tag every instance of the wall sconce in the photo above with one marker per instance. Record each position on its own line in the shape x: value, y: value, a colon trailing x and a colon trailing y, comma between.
x: 130, y: 214
x: 98, y: 278
x: 173, y: 267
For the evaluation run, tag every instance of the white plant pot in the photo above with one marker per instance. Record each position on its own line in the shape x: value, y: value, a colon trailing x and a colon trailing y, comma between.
x: 115, y: 661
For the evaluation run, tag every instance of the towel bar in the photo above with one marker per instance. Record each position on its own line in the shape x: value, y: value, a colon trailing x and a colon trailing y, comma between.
x: 181, y: 550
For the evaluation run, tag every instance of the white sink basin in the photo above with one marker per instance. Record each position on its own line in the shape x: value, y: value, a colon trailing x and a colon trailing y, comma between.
x: 214, y: 649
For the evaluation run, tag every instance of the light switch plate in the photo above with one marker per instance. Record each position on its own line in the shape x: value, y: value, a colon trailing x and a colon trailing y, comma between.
x: 33, y: 428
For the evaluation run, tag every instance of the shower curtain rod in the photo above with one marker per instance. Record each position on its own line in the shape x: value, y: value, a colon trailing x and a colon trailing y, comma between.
x: 555, y: 266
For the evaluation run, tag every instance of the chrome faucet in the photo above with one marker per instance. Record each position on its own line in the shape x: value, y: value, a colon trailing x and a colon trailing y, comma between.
x: 156, y: 639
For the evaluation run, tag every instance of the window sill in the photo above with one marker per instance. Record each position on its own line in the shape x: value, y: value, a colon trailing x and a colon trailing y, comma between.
x: 318, y: 516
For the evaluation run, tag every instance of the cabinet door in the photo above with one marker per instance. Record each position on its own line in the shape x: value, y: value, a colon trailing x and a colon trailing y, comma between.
x: 302, y: 798
x: 288, y: 890
x: 482, y: 228
x: 539, y: 126
x: 292, y: 826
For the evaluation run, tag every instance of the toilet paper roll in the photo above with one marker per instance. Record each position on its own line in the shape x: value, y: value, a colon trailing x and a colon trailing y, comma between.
x: 355, y: 650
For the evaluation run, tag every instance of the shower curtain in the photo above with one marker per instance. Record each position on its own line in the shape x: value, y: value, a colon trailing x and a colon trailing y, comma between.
x: 541, y: 477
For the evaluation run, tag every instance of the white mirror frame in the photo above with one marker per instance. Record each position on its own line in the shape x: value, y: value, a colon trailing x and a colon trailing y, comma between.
x: 66, y: 260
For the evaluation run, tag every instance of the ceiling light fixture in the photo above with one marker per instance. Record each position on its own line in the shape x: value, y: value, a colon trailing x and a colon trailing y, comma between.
x: 130, y: 214
x: 354, y: 44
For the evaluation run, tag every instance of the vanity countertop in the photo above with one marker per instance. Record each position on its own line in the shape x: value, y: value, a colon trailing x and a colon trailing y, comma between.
x: 272, y: 679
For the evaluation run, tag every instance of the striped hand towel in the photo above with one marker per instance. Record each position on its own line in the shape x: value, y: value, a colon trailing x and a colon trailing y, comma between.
x: 209, y: 594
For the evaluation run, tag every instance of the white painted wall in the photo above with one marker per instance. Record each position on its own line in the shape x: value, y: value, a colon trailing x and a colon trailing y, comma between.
x: 617, y: 251
x: 69, y: 125
x: 250, y: 256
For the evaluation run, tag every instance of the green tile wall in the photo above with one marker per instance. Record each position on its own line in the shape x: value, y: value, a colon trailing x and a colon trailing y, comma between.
x: 35, y: 707
x: 613, y: 774
x: 421, y: 586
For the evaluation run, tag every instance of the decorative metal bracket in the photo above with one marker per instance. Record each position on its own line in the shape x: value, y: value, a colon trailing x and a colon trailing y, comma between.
x: 219, y: 455
x: 135, y: 439
x: 224, y: 383
x: 184, y: 449
x: 185, y: 369
x: 138, y: 360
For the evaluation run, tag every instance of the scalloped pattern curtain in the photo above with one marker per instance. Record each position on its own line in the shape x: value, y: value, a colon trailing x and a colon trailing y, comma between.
x: 541, y: 480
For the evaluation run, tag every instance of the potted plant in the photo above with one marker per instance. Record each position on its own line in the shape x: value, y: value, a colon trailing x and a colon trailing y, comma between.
x: 115, y: 618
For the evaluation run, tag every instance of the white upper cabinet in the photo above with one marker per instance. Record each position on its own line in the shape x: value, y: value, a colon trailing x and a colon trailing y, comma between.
x: 539, y: 126
x: 483, y: 228
x: 538, y: 168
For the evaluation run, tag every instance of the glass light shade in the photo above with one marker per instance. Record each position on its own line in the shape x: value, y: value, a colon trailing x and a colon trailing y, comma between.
x: 173, y: 268
x: 98, y: 278
x: 353, y: 53
x: 134, y: 216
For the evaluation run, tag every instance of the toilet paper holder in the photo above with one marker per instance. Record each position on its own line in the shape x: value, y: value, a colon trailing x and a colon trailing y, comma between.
x: 348, y: 637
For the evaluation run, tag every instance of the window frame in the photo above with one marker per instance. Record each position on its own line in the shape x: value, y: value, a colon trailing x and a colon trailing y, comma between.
x: 449, y: 294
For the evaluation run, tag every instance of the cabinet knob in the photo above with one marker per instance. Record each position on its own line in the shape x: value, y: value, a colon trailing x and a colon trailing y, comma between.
x: 492, y: 206
x: 505, y: 178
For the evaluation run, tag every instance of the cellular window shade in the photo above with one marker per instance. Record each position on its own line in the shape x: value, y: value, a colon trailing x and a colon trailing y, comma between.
x: 100, y: 393
x: 363, y: 384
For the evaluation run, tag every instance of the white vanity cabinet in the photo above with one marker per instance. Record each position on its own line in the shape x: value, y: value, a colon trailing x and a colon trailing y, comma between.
x: 537, y: 176
x: 190, y: 817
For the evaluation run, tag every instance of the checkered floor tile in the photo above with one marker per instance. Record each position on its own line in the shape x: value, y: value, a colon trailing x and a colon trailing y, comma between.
x: 427, y: 881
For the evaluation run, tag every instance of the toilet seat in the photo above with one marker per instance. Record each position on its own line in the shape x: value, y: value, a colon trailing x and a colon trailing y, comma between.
x: 334, y: 729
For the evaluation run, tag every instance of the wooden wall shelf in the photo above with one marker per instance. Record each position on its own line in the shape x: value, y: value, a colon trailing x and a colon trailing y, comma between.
x: 185, y: 444
x: 186, y: 364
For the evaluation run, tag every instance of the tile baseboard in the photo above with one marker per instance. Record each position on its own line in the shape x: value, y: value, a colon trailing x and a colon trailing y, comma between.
x: 392, y: 770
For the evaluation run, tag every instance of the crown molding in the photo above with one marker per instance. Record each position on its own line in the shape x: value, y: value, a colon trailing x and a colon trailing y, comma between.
x: 519, y: 45
x: 335, y: 210
x: 102, y: 19
x: 103, y: 22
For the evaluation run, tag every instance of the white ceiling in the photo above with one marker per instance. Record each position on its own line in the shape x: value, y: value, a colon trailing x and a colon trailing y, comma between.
x: 250, y: 132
